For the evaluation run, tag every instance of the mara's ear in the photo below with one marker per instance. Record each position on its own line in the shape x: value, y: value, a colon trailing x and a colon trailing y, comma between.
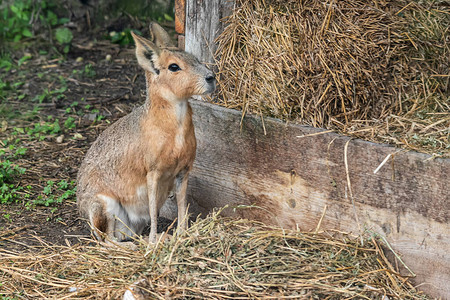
x: 160, y: 36
x: 147, y: 53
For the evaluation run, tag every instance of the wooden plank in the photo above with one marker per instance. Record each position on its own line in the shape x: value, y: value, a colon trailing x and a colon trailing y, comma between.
x: 180, y: 16
x: 203, y: 26
x: 181, y: 42
x: 294, y: 180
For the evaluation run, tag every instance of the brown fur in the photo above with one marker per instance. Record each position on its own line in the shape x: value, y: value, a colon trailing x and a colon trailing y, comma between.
x: 130, y: 169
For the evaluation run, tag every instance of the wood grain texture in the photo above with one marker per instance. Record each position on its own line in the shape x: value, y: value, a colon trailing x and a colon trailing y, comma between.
x: 180, y: 16
x: 203, y: 26
x: 293, y: 180
x: 181, y: 42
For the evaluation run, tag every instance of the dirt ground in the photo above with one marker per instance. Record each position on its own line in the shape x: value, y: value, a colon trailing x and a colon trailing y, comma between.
x: 94, y: 91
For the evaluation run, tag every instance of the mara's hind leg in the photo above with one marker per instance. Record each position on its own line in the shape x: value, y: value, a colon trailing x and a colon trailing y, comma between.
x: 109, y: 229
x: 119, y: 225
x: 101, y: 224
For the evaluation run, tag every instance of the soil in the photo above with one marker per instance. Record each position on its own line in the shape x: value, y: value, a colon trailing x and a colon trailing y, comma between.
x: 96, y: 91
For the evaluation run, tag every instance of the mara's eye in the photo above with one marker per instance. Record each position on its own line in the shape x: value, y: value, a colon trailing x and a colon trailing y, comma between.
x: 174, y: 68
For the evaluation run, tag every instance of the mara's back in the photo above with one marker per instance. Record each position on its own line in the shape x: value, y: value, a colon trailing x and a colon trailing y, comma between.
x: 103, y: 168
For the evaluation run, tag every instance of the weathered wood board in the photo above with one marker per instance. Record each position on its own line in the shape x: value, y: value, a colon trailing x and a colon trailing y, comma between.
x: 203, y: 26
x: 295, y: 181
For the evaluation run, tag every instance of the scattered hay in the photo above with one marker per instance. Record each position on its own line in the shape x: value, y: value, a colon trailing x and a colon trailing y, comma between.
x: 217, y: 258
x: 378, y: 70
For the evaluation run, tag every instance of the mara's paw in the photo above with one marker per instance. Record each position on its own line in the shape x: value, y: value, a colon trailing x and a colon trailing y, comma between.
x: 133, y: 292
x: 128, y: 245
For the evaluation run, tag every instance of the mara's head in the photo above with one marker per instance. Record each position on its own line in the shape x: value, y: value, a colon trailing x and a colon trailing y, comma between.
x: 178, y: 74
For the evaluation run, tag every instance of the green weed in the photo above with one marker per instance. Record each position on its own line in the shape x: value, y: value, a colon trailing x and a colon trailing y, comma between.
x: 11, y: 90
x: 72, y: 107
x: 69, y: 123
x: 15, y: 20
x: 7, y: 297
x: 55, y: 193
x: 89, y: 71
x: 6, y: 62
x: 9, y: 172
x: 41, y: 130
x: 50, y: 94
x: 24, y: 59
x: 98, y: 117
x: 122, y: 38
x: 7, y: 217
x: 19, y: 18
x: 64, y: 37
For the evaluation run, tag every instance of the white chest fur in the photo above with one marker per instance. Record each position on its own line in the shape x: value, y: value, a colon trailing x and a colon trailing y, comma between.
x: 181, y: 112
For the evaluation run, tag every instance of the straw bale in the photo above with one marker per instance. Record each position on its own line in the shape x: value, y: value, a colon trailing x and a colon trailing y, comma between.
x: 352, y: 66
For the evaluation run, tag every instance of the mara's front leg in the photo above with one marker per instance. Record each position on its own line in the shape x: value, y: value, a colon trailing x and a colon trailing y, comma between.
x: 180, y: 190
x: 156, y: 194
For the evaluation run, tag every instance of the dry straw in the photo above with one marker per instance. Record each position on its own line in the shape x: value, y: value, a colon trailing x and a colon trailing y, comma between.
x: 217, y: 258
x: 373, y: 69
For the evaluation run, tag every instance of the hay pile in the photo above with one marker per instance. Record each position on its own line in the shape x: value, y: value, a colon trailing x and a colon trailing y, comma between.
x: 217, y: 258
x: 374, y: 69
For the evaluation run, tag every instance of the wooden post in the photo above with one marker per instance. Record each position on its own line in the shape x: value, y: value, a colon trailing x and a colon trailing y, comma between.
x: 203, y: 26
x: 180, y: 21
x: 180, y: 16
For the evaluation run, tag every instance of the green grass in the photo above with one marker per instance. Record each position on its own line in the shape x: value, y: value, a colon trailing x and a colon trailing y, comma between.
x: 20, y: 19
x: 10, y: 190
x: 55, y: 193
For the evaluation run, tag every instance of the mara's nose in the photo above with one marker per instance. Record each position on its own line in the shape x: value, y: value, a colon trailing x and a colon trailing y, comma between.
x: 210, y: 79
